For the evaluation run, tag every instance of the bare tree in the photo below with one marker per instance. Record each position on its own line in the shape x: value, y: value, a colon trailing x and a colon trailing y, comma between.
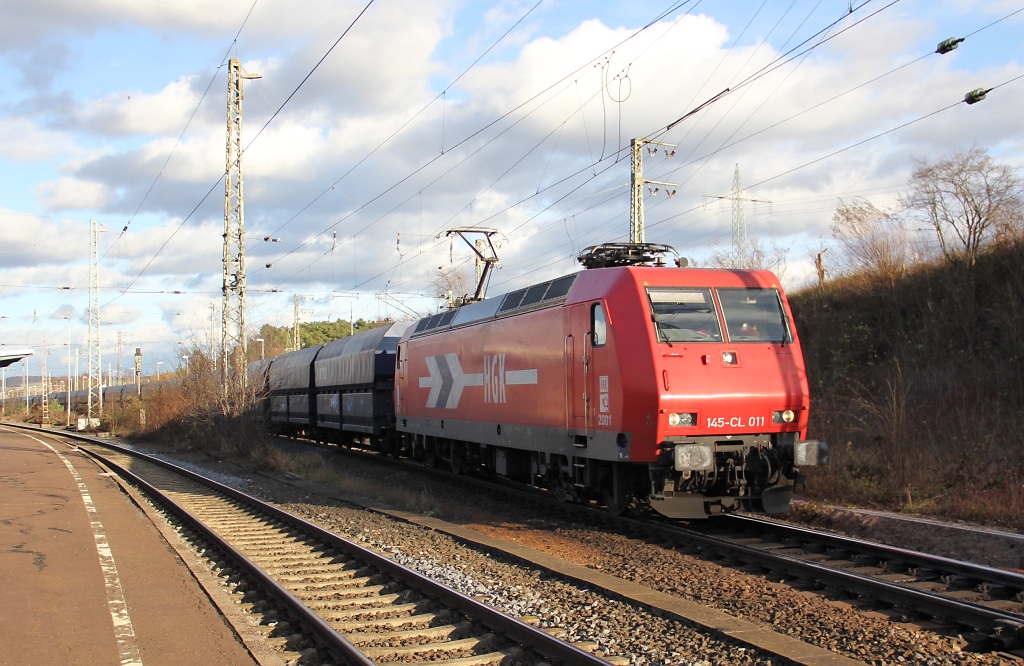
x: 752, y: 254
x: 452, y: 284
x: 874, y: 241
x: 966, y: 197
x: 1009, y: 222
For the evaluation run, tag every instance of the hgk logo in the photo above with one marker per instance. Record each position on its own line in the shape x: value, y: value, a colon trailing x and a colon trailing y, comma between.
x: 447, y: 380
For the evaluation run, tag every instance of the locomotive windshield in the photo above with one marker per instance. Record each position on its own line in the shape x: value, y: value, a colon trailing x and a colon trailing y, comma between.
x: 684, y: 315
x: 754, y: 315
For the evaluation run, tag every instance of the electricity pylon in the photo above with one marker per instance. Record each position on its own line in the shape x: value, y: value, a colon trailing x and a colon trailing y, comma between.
x: 739, y: 224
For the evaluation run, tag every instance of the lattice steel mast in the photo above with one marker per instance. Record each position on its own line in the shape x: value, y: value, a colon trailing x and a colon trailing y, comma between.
x: 120, y: 374
x: 233, y: 325
x: 95, y: 396
x: 637, y: 182
x: 295, y: 326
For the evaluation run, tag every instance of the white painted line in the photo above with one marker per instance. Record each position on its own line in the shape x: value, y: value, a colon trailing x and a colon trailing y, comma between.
x: 123, y: 630
x: 520, y: 377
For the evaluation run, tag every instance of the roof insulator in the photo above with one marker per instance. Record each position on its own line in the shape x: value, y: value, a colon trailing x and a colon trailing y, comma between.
x: 975, y: 95
x: 947, y: 45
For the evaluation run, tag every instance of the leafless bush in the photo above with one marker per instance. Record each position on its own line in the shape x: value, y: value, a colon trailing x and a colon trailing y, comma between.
x: 883, y: 414
x: 874, y: 241
x: 194, y: 412
x: 453, y: 283
x: 752, y: 254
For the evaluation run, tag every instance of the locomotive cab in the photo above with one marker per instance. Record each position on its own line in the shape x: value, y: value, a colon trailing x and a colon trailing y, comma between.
x: 733, y: 400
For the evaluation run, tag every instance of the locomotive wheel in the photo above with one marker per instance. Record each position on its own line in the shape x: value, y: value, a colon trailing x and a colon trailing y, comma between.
x: 617, y: 504
x: 458, y: 458
x: 563, y: 489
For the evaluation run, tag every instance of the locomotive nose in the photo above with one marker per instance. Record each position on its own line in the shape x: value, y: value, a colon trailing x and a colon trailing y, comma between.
x: 733, y: 390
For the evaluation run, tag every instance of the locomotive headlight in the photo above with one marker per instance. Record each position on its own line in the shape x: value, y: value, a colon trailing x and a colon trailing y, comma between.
x: 694, y: 457
x: 675, y: 420
x: 786, y: 416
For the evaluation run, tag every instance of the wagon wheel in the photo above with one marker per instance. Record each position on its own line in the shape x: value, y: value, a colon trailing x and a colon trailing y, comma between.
x: 458, y: 458
x: 430, y: 455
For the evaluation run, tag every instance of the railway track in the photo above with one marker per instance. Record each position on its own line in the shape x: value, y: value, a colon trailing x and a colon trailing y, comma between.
x: 987, y: 602
x: 984, y: 604
x: 331, y: 598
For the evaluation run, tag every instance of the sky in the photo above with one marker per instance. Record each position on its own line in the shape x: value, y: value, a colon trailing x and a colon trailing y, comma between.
x: 426, y: 115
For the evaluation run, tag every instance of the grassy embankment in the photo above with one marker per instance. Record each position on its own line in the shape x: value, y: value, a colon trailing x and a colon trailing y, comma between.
x: 918, y: 384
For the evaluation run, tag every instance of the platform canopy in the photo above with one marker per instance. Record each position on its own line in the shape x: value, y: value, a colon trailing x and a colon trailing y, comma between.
x: 9, y: 356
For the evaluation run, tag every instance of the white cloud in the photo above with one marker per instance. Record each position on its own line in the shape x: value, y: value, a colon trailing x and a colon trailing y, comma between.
x: 22, y: 140
x: 28, y: 240
x: 72, y: 194
x: 116, y: 314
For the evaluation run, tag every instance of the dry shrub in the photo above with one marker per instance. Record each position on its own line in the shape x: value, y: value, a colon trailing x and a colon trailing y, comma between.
x: 918, y: 387
x: 875, y: 241
x: 191, y: 412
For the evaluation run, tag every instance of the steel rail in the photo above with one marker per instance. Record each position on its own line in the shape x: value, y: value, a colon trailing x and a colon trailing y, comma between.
x: 978, y: 572
x: 536, y: 639
x: 963, y: 612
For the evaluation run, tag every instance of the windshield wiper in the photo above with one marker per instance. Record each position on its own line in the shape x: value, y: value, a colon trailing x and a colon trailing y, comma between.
x: 662, y: 333
x: 654, y: 317
x: 785, y: 323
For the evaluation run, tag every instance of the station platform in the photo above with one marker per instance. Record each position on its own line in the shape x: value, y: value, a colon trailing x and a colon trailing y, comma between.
x: 86, y: 577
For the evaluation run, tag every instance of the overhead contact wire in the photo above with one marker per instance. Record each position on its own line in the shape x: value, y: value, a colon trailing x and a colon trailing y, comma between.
x: 185, y: 129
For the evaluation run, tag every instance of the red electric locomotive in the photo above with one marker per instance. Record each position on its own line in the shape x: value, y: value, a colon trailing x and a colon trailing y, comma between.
x: 682, y: 388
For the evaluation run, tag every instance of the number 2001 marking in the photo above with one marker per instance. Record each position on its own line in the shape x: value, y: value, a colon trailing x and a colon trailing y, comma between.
x: 736, y: 422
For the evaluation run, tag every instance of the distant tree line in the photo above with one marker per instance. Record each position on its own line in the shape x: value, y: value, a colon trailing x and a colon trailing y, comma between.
x: 278, y: 339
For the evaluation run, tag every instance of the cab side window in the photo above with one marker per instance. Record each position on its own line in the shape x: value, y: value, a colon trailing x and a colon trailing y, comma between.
x: 599, y: 325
